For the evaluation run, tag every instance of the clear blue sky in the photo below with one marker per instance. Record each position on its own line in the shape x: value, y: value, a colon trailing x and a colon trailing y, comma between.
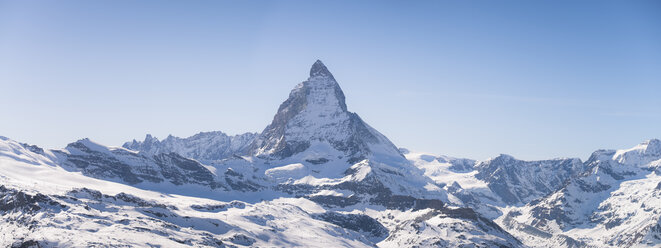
x: 534, y: 79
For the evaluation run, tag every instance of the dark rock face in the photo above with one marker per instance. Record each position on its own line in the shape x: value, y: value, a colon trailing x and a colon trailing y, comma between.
x: 237, y: 181
x: 26, y: 244
x: 560, y: 214
x: 241, y: 239
x: 518, y: 182
x: 335, y: 201
x: 180, y: 170
x: 319, y: 70
x: 219, y: 207
x: 271, y: 137
x: 33, y: 148
x: 134, y: 168
x: 18, y: 201
x: 100, y: 165
x: 119, y: 199
x: 357, y: 222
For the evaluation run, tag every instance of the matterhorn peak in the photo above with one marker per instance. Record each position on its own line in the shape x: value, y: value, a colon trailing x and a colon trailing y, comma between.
x: 319, y: 70
x: 315, y: 118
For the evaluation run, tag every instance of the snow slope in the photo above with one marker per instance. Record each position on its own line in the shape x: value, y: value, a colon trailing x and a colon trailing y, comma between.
x: 44, y: 204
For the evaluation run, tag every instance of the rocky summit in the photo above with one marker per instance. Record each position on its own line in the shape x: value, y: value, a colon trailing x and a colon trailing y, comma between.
x: 315, y: 117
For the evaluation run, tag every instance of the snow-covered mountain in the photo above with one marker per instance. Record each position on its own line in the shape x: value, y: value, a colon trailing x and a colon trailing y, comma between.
x: 316, y: 166
x: 491, y: 185
x: 314, y: 148
x: 519, y: 182
x: 319, y: 176
x: 617, y: 203
x: 314, y: 120
x: 204, y: 146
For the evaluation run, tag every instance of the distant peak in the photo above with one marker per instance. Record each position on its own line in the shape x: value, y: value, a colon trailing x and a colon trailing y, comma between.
x: 319, y: 69
x: 149, y: 138
x: 86, y: 143
x: 504, y: 157
x: 653, y: 142
x: 652, y: 146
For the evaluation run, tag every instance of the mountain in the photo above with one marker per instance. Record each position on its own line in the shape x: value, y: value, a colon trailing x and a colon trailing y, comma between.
x: 320, y: 168
x: 519, y: 182
x: 314, y: 148
x: 205, y: 146
x: 118, y: 164
x: 317, y: 166
x: 494, y: 184
x: 314, y: 120
x: 610, y: 200
x: 98, y: 161
x: 617, y: 203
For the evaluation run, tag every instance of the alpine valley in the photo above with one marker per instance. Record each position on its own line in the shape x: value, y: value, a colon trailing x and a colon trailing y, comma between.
x: 319, y: 176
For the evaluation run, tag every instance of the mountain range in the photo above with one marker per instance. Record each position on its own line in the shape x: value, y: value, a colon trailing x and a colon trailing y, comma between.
x: 319, y: 176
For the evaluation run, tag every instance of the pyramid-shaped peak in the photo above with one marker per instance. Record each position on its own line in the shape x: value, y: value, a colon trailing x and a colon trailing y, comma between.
x: 319, y: 70
x: 315, y: 118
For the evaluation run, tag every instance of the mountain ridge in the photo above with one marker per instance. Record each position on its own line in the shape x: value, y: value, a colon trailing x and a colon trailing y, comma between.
x: 320, y: 167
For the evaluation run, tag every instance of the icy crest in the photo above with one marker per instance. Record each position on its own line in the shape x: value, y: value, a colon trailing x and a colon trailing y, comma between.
x: 641, y: 154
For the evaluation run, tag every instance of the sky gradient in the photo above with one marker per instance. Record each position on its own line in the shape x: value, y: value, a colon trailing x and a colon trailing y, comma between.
x: 534, y: 79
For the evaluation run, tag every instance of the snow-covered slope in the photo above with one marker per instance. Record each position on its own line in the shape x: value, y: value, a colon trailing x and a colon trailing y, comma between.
x: 67, y: 216
x: 48, y: 205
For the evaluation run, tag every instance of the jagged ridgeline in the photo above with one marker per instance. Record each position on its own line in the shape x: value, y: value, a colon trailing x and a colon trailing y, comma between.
x: 314, y: 117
